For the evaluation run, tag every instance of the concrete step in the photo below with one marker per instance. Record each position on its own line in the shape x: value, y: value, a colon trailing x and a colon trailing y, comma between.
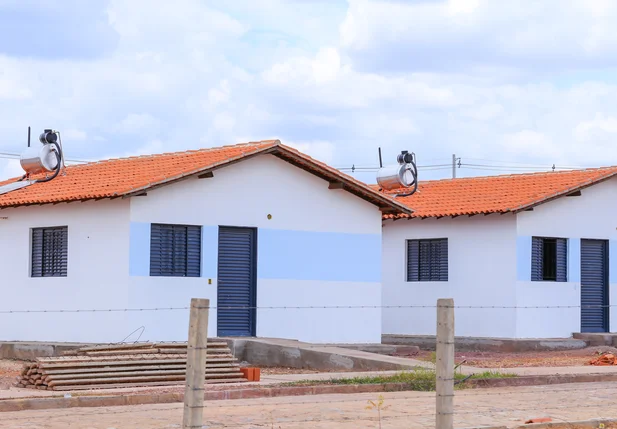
x: 597, y: 339
x: 382, y: 349
x: 472, y: 344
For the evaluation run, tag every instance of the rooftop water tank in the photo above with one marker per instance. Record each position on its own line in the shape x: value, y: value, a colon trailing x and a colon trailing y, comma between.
x: 39, y: 159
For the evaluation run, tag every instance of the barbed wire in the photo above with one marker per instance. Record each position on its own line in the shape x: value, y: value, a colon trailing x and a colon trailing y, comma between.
x: 309, y: 307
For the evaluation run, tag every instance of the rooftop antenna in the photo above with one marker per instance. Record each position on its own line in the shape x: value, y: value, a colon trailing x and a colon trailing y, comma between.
x: 380, y: 162
x: 28, y: 136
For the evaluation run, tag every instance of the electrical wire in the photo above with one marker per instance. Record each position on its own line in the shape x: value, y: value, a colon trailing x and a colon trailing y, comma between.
x: 509, y: 170
x: 9, y: 155
x: 522, y: 163
x: 516, y: 167
x: 314, y: 307
x: 420, y: 167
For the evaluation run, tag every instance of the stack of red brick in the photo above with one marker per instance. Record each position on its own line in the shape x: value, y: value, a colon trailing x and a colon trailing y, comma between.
x: 251, y: 374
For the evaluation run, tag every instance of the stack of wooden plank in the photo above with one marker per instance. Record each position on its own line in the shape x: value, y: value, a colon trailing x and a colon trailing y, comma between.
x: 127, y: 365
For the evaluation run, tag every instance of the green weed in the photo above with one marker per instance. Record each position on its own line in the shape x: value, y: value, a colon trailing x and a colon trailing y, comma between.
x: 420, y: 379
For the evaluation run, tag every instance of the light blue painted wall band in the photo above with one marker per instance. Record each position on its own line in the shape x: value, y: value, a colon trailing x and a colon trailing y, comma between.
x: 282, y: 254
x: 612, y: 261
x: 209, y: 251
x: 139, y: 249
x: 523, y: 258
x: 574, y: 260
x: 319, y: 256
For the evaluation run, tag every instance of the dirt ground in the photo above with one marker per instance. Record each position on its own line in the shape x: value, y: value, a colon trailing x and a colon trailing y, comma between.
x: 579, y: 357
x: 402, y: 410
x: 9, y: 370
x: 573, y: 426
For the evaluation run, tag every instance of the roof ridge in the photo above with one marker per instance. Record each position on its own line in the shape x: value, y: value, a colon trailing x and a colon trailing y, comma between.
x: 205, y: 149
x: 161, y: 154
x: 522, y: 174
x: 130, y: 176
x: 499, y: 176
x: 509, y: 193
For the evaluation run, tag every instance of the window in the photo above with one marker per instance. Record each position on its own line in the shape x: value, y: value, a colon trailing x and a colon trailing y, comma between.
x: 549, y: 259
x: 427, y: 260
x: 175, y: 250
x: 49, y: 252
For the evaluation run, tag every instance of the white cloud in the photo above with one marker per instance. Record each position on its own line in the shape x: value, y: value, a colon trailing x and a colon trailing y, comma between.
x: 528, y: 141
x: 186, y: 24
x: 472, y: 77
x: 74, y: 134
x: 152, y: 146
x: 137, y: 123
x: 220, y: 94
x: 13, y: 86
x: 483, y: 112
x: 586, y: 130
x: 448, y: 35
x: 326, y: 65
x: 11, y: 168
x: 320, y: 150
x: 456, y: 7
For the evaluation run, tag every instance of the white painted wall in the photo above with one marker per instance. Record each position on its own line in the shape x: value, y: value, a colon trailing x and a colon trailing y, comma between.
x: 243, y: 195
x: 485, y: 269
x: 547, y: 322
x: 319, y: 325
x: 97, y: 273
x: 591, y: 215
x: 239, y: 195
x: 481, y: 272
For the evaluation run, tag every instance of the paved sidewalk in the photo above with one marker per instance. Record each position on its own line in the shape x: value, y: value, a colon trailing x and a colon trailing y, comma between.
x: 408, y: 410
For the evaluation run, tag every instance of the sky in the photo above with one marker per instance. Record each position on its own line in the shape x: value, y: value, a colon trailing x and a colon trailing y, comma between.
x: 506, y: 86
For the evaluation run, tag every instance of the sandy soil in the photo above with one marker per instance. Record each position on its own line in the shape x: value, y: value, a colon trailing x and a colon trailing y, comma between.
x: 9, y: 371
x: 526, y: 359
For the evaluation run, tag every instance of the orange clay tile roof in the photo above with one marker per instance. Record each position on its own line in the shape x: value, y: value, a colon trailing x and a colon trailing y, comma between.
x: 126, y: 177
x: 496, y: 194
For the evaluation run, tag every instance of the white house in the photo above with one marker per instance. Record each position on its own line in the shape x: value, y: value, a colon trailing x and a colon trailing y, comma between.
x: 259, y: 227
x: 540, y: 248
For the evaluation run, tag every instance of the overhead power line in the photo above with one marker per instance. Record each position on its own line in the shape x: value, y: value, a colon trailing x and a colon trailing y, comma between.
x: 9, y: 155
x: 490, y: 165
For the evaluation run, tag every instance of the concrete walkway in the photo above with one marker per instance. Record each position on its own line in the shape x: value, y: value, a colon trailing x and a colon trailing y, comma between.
x: 297, y: 354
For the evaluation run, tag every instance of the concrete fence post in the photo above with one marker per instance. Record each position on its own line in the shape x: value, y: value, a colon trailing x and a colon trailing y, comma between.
x: 445, y: 364
x: 196, y: 364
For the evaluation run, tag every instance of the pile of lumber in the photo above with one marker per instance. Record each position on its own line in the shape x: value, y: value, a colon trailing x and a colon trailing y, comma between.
x: 127, y: 365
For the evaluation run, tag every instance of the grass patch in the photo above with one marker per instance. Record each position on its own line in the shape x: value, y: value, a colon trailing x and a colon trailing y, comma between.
x: 494, y: 374
x: 421, y: 379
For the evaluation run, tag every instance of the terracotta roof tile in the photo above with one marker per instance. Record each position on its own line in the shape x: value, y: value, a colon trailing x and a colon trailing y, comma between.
x: 126, y: 176
x: 497, y: 194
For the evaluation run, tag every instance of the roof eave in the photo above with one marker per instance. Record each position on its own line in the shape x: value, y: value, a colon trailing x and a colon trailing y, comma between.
x: 385, y: 203
x: 210, y: 168
x: 358, y: 188
x: 563, y: 193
